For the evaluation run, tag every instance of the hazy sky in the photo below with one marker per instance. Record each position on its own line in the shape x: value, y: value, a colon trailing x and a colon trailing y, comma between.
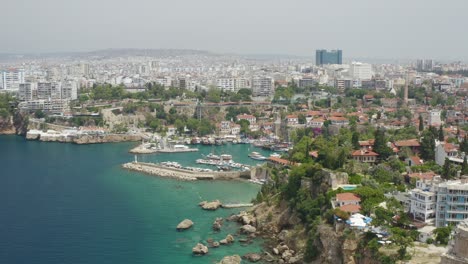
x: 362, y: 28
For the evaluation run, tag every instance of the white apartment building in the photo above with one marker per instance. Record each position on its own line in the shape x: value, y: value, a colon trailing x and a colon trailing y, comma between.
x: 56, y: 106
x: 232, y: 84
x: 444, y: 201
x: 69, y: 90
x: 10, y: 79
x: 423, y: 202
x: 27, y: 91
x: 46, y: 90
x: 360, y: 71
x: 452, y: 202
x: 262, y: 86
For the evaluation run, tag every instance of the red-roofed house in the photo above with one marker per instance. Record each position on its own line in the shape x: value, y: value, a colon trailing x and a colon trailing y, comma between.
x: 252, y: 119
x: 367, y: 144
x: 339, y: 120
x: 292, y: 120
x: 347, y: 198
x: 414, y: 161
x: 423, y: 175
x: 366, y: 156
x: 413, y: 144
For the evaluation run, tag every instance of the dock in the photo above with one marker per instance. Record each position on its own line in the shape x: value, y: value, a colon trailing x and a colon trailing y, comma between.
x: 184, y: 174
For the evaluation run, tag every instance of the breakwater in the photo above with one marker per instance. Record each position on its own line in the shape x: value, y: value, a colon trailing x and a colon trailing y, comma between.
x: 182, y: 174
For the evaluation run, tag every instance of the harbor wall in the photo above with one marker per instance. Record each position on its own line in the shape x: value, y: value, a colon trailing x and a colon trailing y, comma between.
x: 155, y: 169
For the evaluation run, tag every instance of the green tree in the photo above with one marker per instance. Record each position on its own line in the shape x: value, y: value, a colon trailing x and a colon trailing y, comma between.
x: 443, y: 234
x: 446, y: 169
x: 39, y: 114
x: 464, y: 169
x: 244, y: 126
x: 428, y: 146
x: 421, y: 123
x: 441, y: 133
x: 214, y: 95
x: 355, y: 140
x: 380, y: 145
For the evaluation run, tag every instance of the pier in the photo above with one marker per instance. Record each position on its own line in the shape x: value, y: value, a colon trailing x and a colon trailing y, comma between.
x: 184, y: 174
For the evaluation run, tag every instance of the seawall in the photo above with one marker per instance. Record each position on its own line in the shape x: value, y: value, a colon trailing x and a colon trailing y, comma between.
x: 182, y: 174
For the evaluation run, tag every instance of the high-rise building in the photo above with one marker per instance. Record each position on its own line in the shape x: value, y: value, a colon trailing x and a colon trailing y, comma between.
x: 26, y: 91
x: 424, y: 65
x: 262, y: 86
x: 11, y: 78
x: 69, y: 90
x: 328, y: 57
x: 85, y: 69
x: 360, y: 71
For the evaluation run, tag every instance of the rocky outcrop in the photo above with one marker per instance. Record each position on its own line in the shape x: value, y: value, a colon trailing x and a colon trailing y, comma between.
x: 214, y: 205
x: 6, y: 126
x: 236, y: 259
x: 15, y: 124
x: 217, y: 224
x: 110, y: 138
x: 184, y: 225
x: 252, y: 257
x: 200, y: 249
x: 248, y: 229
x: 228, y: 240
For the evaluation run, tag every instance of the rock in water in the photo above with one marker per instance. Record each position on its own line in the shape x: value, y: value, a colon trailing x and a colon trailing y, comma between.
x: 215, y: 244
x: 210, y: 205
x: 228, y: 240
x: 252, y: 257
x: 248, y: 229
x: 186, y: 224
x: 217, y: 224
x: 200, y: 249
x: 236, y: 259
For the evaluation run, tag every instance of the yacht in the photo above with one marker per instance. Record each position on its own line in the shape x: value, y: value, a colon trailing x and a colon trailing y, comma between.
x: 256, y: 156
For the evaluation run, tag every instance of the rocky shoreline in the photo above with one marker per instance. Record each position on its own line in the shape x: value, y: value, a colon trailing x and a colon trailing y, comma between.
x: 276, y: 250
x: 81, y: 139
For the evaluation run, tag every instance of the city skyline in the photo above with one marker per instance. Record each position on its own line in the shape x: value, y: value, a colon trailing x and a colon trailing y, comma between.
x: 398, y: 30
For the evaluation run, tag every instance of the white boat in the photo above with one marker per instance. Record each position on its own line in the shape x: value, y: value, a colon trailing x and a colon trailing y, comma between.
x: 275, y: 155
x: 257, y: 181
x: 226, y: 157
x: 177, y: 148
x: 256, y: 156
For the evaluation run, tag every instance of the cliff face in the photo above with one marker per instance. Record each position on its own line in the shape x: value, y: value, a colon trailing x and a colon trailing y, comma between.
x: 84, y: 139
x: 6, y: 126
x: 16, y: 124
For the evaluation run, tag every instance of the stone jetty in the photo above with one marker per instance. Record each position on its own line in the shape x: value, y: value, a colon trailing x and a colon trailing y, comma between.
x: 183, y: 174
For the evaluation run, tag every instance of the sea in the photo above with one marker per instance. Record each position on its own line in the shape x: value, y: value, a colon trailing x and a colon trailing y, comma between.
x: 65, y: 203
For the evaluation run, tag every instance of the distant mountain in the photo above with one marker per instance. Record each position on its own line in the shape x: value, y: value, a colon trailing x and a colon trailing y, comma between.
x: 106, y: 53
x: 145, y: 52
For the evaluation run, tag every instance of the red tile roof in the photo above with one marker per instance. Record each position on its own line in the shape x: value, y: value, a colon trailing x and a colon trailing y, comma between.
x: 407, y: 143
x: 416, y: 160
x: 357, y: 153
x: 423, y: 175
x: 347, y: 197
x: 350, y: 208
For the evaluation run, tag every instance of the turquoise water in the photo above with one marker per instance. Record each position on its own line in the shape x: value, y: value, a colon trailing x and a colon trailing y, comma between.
x: 63, y: 203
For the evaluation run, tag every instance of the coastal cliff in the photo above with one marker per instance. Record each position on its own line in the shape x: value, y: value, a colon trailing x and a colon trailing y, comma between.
x: 82, y: 139
x: 14, y: 124
x: 312, y: 241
